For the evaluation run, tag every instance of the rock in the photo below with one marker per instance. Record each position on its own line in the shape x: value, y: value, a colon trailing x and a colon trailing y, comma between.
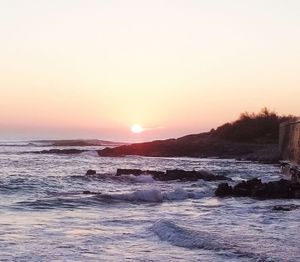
x: 255, y: 188
x: 285, y: 207
x: 295, y: 187
x: 175, y: 174
x: 155, y: 174
x: 223, y: 190
x: 61, y: 151
x: 91, y: 172
x: 178, y: 174
x: 279, y: 189
x: 245, y: 188
x: 87, y: 192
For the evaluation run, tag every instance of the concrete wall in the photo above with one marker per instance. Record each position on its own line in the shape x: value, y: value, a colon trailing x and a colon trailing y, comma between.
x: 289, y: 141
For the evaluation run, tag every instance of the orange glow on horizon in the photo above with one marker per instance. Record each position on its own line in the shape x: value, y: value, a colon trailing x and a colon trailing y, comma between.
x: 187, y: 66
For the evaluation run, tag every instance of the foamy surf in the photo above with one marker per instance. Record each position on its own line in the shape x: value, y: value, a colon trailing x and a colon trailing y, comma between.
x: 92, y: 153
x: 157, y: 195
x: 54, y: 197
x: 89, y: 198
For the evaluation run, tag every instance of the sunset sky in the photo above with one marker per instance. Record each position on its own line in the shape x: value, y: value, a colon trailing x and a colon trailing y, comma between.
x: 92, y: 69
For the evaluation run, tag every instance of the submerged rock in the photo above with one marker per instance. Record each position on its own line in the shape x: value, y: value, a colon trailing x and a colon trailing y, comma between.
x: 285, y: 207
x: 87, y: 192
x: 91, y: 172
x: 71, y: 151
x: 255, y: 188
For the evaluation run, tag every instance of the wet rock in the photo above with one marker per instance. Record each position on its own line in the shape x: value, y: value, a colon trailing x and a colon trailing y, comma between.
x: 183, y: 175
x: 87, y: 192
x: 255, y: 188
x: 245, y: 188
x: 285, y: 207
x: 179, y: 175
x: 175, y: 174
x: 61, y: 151
x: 223, y: 190
x: 91, y: 172
x: 155, y: 174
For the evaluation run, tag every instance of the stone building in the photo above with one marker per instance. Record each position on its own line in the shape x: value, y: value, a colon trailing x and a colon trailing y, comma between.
x: 289, y: 145
x: 289, y: 141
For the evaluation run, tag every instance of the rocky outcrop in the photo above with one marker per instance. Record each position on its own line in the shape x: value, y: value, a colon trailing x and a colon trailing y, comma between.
x: 223, y: 190
x: 61, y: 151
x: 169, y: 175
x: 78, y: 142
x: 255, y: 188
x: 190, y: 175
x: 200, y: 145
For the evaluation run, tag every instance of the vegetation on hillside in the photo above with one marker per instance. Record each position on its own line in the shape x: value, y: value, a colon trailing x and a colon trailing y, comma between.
x: 262, y: 127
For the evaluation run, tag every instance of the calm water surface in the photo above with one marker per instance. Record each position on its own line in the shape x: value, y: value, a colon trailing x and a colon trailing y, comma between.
x: 45, y: 217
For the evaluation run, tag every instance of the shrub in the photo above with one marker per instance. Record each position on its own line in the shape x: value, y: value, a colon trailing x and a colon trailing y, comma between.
x: 253, y: 128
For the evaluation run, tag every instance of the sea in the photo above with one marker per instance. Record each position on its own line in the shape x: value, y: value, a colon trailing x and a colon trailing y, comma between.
x: 44, y: 215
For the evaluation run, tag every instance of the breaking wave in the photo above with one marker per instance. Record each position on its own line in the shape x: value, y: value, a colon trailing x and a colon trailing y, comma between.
x: 87, y: 198
x: 185, y: 237
x: 93, y: 153
x: 155, y: 195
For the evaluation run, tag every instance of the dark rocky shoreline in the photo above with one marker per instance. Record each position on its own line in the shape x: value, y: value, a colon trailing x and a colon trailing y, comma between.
x: 255, y: 188
x: 70, y: 151
x: 202, y: 145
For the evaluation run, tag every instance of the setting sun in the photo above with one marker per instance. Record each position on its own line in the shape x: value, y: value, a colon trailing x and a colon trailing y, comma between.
x: 137, y: 129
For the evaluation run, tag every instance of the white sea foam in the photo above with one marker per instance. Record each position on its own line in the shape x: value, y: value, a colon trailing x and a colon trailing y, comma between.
x: 178, y: 194
x: 150, y: 195
x: 37, y: 185
x: 141, y: 178
x: 154, y: 195
x: 92, y: 153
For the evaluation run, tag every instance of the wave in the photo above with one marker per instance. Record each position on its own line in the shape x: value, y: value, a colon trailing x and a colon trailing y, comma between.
x: 154, y: 195
x: 185, y: 237
x: 92, y: 153
x: 87, y: 198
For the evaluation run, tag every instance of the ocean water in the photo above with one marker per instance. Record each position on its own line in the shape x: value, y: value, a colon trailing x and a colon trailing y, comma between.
x: 45, y: 217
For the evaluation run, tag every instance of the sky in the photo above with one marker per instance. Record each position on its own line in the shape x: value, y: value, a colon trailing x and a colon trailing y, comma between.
x: 92, y: 69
